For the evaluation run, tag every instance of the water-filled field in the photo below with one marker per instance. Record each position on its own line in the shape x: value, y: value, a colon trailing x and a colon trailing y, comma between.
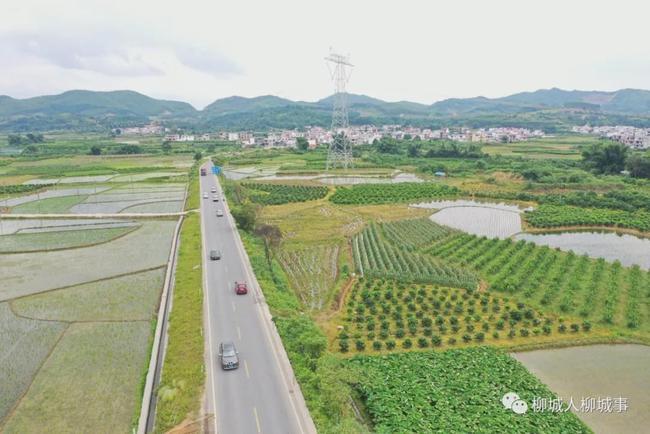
x: 29, y: 273
x: 598, y: 371
x: 489, y: 222
x: 627, y: 249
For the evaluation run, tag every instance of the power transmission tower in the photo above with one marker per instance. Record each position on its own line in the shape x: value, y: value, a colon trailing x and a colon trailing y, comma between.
x: 340, y: 151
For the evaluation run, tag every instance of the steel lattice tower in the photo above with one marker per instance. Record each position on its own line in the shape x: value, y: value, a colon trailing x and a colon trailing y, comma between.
x: 340, y: 151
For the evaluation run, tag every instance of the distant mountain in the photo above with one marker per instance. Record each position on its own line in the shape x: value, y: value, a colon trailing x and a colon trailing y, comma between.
x: 236, y: 104
x: 550, y: 109
x: 90, y: 103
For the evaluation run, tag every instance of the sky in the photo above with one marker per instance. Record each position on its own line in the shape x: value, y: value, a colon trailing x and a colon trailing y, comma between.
x: 424, y: 51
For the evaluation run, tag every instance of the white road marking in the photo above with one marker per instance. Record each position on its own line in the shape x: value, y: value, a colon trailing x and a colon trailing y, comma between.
x: 207, y: 292
x: 257, y: 420
x: 247, y: 270
x: 234, y: 308
x: 239, y: 332
x: 248, y: 374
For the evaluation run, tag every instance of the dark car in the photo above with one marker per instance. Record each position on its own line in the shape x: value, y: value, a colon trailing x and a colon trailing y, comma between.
x: 229, y: 356
x: 215, y: 254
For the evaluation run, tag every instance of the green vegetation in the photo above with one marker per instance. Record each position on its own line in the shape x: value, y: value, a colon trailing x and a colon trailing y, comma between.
x: 391, y: 193
x: 278, y: 194
x: 57, y: 240
x: 555, y: 281
x: 182, y: 379
x: 374, y: 257
x: 414, y: 233
x: 454, y: 391
x: 394, y: 315
x: 22, y: 188
x: 549, y: 216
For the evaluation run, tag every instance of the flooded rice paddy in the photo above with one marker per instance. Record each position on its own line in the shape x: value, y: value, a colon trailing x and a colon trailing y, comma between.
x: 598, y: 371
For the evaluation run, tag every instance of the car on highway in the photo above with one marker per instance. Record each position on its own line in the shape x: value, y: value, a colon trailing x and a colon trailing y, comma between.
x: 215, y: 198
x: 213, y: 190
x: 228, y: 355
x: 205, y: 195
x: 219, y: 213
x: 241, y: 288
x: 215, y: 255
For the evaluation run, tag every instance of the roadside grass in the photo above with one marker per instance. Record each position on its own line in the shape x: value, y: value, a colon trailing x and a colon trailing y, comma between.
x: 54, y: 205
x: 24, y: 345
x: 193, y: 190
x: 89, y: 383
x: 183, y: 374
x: 39, y: 241
x: 132, y: 297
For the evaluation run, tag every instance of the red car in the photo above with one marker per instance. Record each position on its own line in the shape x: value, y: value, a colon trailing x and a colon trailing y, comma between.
x: 241, y: 288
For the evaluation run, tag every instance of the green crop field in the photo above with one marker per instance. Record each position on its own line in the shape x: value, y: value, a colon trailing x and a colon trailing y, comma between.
x: 393, y: 315
x: 549, y: 216
x: 132, y: 297
x: 555, y: 281
x: 278, y: 194
x: 375, y: 257
x: 53, y: 205
x: 24, y: 345
x: 89, y: 383
x: 390, y: 193
x: 51, y: 240
x: 454, y: 391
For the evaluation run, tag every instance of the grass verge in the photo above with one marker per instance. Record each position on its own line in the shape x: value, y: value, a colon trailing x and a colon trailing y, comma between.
x: 182, y: 376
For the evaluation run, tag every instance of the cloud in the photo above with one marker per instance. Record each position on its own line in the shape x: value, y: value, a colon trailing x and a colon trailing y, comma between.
x: 208, y: 61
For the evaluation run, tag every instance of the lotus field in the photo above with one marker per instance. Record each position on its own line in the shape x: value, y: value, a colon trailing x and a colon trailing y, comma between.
x: 391, y: 193
x: 549, y: 216
x: 388, y: 315
x: 278, y: 194
x: 454, y: 391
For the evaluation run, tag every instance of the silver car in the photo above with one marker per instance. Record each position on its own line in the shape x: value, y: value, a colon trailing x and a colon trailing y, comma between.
x: 229, y: 356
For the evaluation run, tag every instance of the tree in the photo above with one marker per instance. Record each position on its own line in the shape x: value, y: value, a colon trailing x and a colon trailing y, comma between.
x: 639, y: 165
x: 95, y: 150
x: 302, y: 144
x: 414, y: 150
x: 14, y: 140
x: 607, y: 159
x: 129, y: 149
x: 166, y: 147
x: 271, y: 234
x: 245, y: 216
x: 198, y: 155
x: 31, y: 149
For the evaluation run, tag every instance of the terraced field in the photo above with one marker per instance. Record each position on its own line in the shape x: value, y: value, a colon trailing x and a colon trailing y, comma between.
x: 76, y: 324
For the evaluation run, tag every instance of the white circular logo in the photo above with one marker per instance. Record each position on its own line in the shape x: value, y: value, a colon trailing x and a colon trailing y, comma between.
x: 508, y: 399
x: 520, y: 406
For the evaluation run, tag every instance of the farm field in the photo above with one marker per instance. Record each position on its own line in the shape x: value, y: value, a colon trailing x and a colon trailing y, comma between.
x: 549, y: 216
x: 51, y: 240
x: 453, y: 391
x: 551, y: 147
x: 620, y: 370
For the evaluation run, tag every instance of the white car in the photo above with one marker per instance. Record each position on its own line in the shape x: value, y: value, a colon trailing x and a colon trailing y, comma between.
x: 219, y: 213
x: 205, y: 195
x: 214, y: 189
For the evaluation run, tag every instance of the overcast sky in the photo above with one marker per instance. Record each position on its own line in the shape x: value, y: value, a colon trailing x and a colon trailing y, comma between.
x: 424, y: 51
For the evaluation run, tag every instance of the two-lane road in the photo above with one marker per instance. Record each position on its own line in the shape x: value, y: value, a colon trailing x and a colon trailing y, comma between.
x: 255, y: 398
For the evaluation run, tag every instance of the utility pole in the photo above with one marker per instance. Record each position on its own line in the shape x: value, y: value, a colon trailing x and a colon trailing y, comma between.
x: 339, y: 153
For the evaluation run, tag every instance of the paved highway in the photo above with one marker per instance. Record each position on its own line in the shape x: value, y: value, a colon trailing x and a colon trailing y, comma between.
x: 258, y: 397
